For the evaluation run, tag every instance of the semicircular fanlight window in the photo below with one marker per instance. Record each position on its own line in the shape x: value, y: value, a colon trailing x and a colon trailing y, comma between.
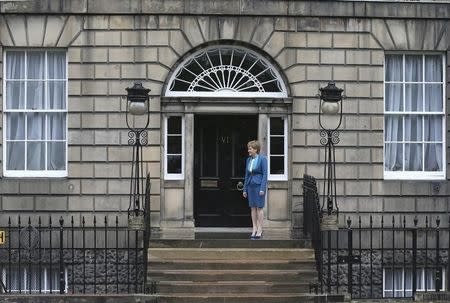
x: 226, y: 72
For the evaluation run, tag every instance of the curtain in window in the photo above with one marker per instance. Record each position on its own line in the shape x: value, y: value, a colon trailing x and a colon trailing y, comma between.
x: 413, y: 142
x: 35, y: 137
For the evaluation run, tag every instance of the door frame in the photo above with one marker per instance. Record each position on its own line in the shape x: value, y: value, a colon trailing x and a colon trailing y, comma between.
x: 183, y: 224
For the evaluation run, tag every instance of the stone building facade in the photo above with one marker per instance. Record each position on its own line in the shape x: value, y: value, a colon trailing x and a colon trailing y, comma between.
x: 110, y: 44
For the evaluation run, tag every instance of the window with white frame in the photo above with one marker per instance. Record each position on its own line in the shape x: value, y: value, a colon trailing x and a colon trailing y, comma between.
x: 174, y: 148
x: 32, y: 279
x: 35, y: 113
x: 414, y: 116
x: 277, y: 148
x: 398, y: 282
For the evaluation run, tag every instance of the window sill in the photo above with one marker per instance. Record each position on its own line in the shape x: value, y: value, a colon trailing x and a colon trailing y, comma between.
x: 415, y: 176
x: 35, y: 175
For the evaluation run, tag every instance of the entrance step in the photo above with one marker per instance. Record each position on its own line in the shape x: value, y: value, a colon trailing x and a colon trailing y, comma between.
x: 232, y: 270
x: 186, y: 264
x: 231, y: 243
x: 248, y: 298
x: 293, y: 254
x: 208, y: 275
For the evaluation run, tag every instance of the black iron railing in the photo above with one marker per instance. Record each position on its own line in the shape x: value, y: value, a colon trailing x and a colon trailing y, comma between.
x: 311, y: 220
x: 379, y: 256
x: 91, y: 254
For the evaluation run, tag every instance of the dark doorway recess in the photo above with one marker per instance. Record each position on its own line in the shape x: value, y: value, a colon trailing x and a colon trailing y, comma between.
x: 219, y: 166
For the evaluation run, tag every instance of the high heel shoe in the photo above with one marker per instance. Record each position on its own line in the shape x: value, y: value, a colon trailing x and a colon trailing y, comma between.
x: 259, y: 237
x: 253, y: 235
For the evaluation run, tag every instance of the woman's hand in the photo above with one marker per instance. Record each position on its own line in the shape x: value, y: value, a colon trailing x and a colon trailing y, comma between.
x: 244, y: 194
x: 261, y: 193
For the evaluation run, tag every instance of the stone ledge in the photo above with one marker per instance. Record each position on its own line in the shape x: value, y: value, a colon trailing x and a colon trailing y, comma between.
x: 350, y: 8
x: 126, y: 298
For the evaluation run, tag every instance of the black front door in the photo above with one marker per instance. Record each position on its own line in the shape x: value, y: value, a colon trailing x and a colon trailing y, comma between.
x: 220, y: 152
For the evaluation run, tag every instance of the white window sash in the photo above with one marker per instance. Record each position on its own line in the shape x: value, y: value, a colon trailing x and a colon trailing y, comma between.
x: 278, y: 177
x: 35, y: 173
x: 23, y: 275
x: 416, y: 175
x: 172, y: 176
x: 421, y: 271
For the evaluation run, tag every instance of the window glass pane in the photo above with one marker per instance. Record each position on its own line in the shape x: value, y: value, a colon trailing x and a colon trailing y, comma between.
x: 433, y: 128
x: 174, y: 164
x: 276, y: 126
x: 56, y: 65
x: 15, y: 153
x: 394, y: 68
x: 36, y: 65
x: 55, y: 279
x: 388, y: 279
x: 35, y: 278
x: 15, y: 95
x: 15, y: 65
x: 433, y: 157
x: 393, y: 128
x: 413, y: 157
x: 57, y: 94
x: 430, y: 275
x: 433, y: 97
x: 419, y: 276
x: 174, y: 125
x: 393, y: 157
x: 413, y: 128
x: 398, y: 282
x: 394, y: 97
x: 408, y: 279
x: 277, y: 165
x: 35, y: 126
x: 56, y: 158
x: 433, y: 68
x: 35, y: 95
x: 413, y: 68
x: 388, y: 294
x: 174, y: 145
x: 277, y: 145
x: 15, y: 126
x: 36, y: 155
x: 56, y: 126
x: 413, y: 97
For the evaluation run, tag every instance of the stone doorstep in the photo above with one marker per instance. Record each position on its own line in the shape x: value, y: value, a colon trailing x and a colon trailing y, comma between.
x: 293, y: 254
x: 249, y: 298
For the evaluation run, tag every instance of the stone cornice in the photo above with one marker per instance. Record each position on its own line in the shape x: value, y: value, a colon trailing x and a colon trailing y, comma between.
x: 293, y: 8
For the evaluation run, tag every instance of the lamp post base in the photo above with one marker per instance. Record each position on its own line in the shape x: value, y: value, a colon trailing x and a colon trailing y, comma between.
x: 329, y: 222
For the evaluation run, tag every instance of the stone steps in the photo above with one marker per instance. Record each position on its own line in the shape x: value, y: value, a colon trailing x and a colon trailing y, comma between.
x: 231, y: 243
x: 184, y: 264
x: 298, y: 275
x: 292, y: 254
x: 233, y: 270
x: 247, y: 298
x: 233, y: 287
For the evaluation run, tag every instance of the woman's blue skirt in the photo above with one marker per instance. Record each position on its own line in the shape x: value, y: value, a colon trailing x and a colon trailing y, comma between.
x: 254, y: 199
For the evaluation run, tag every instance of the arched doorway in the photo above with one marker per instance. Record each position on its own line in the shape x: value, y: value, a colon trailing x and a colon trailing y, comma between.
x: 223, y: 94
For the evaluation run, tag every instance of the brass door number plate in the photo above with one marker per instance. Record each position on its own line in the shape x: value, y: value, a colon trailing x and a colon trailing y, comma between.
x: 2, y: 237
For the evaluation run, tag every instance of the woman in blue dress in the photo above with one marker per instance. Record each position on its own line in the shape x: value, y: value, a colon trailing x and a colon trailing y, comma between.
x: 255, y: 186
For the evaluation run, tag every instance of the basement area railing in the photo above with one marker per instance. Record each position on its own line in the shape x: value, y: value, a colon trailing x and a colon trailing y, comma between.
x: 79, y: 255
x: 378, y: 256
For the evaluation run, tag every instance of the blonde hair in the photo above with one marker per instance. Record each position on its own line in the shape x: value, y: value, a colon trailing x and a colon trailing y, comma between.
x: 255, y: 145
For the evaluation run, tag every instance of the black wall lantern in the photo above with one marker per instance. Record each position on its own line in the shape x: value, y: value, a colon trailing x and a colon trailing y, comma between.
x: 137, y: 105
x: 330, y: 105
